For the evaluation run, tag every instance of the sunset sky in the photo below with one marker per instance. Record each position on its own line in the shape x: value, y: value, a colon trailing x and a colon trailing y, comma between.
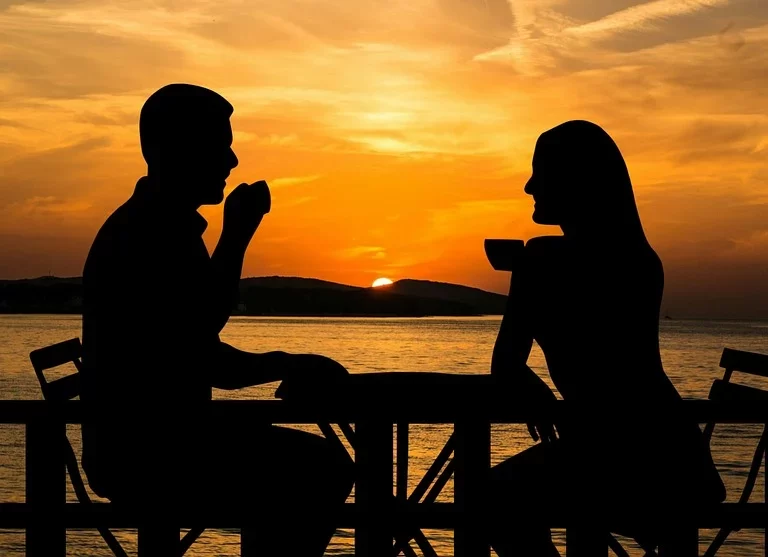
x: 397, y: 134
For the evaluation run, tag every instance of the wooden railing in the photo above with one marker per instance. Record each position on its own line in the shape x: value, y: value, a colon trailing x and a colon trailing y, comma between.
x: 375, y: 513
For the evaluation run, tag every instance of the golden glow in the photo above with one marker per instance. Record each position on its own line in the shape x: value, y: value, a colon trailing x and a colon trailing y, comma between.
x: 396, y: 136
x: 381, y: 282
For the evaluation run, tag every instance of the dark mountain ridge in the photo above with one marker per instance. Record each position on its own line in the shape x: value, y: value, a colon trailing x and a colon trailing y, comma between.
x: 284, y: 296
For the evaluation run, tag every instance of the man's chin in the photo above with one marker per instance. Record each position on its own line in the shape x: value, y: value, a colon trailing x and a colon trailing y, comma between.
x: 542, y: 218
x: 214, y: 198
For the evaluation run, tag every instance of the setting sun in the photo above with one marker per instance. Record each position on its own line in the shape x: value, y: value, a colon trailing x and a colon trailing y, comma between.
x: 381, y: 282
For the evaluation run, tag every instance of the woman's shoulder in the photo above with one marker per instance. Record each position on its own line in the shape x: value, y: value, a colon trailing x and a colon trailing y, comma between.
x: 544, y: 257
x: 545, y: 248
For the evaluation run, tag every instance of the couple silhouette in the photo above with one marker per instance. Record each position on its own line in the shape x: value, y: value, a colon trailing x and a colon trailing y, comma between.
x: 155, y: 302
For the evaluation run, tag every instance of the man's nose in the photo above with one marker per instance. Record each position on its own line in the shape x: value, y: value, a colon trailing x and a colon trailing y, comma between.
x: 530, y: 186
x: 233, y: 162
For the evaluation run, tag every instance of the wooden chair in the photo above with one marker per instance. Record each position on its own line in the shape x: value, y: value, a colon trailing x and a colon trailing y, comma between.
x: 68, y: 388
x: 724, y: 391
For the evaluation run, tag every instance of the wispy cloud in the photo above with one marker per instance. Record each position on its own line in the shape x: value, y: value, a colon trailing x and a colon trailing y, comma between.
x: 10, y: 123
x: 293, y: 180
x: 50, y: 205
x: 368, y: 252
x: 296, y: 201
x: 643, y: 17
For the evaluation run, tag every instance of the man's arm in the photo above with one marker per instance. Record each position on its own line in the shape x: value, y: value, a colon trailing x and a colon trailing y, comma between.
x: 244, y: 210
x: 236, y: 369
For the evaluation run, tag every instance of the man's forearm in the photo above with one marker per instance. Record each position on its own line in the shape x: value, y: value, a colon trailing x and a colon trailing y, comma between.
x: 237, y: 369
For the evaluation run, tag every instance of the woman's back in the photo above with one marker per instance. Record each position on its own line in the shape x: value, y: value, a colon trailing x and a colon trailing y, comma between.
x: 596, y: 319
x: 591, y: 300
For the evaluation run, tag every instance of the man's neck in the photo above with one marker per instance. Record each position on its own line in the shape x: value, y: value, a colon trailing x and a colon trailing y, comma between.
x: 171, y: 191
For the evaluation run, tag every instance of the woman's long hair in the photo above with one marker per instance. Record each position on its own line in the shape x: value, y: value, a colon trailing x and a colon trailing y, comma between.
x: 587, y: 158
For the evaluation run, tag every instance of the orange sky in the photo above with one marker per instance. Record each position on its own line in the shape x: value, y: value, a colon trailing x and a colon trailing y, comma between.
x: 397, y: 134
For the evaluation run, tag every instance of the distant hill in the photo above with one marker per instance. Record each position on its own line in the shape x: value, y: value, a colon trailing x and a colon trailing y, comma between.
x: 293, y: 282
x: 44, y: 281
x: 41, y: 295
x: 482, y: 301
x: 284, y: 296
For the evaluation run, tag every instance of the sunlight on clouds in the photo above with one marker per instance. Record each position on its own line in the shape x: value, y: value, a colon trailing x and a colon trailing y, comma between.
x: 49, y: 205
x: 388, y: 119
x: 396, y: 135
x: 292, y: 180
x: 389, y: 145
x: 372, y: 252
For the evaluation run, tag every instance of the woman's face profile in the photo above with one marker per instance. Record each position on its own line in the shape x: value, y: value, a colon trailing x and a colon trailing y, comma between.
x: 546, y: 187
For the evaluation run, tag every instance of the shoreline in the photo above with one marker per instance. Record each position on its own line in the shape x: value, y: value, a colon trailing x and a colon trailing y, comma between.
x: 398, y: 315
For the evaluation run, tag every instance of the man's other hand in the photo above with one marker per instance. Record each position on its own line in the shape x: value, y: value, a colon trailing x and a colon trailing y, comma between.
x: 312, y: 375
x: 245, y: 207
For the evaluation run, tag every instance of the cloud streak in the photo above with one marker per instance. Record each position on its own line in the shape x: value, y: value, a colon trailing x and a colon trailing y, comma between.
x: 293, y: 180
x: 643, y: 17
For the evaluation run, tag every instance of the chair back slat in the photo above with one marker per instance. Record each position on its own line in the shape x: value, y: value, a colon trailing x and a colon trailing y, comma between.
x: 723, y: 391
x: 745, y: 362
x: 56, y: 354
x: 42, y: 359
x: 65, y: 388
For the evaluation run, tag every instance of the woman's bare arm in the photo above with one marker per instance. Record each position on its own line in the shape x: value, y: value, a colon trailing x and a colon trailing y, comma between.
x: 514, y: 342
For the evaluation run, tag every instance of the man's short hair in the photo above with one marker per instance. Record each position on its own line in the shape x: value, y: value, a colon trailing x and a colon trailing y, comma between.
x: 176, y: 113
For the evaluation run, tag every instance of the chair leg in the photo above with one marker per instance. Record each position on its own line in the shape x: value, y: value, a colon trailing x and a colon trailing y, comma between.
x: 158, y: 541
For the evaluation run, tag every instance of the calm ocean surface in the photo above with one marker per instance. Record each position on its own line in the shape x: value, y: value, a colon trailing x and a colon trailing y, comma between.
x: 690, y: 349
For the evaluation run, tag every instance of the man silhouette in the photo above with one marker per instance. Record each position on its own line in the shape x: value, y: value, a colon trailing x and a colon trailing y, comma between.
x: 154, y: 304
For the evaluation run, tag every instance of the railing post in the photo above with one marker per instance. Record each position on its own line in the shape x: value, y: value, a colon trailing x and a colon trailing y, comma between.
x: 45, y: 486
x: 373, y: 489
x: 402, y: 462
x: 473, y: 462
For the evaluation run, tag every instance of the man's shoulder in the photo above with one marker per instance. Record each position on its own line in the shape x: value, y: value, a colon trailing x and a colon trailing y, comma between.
x: 125, y: 232
x: 117, y: 226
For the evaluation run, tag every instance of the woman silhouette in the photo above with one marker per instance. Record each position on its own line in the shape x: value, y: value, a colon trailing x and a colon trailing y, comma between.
x: 591, y: 300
